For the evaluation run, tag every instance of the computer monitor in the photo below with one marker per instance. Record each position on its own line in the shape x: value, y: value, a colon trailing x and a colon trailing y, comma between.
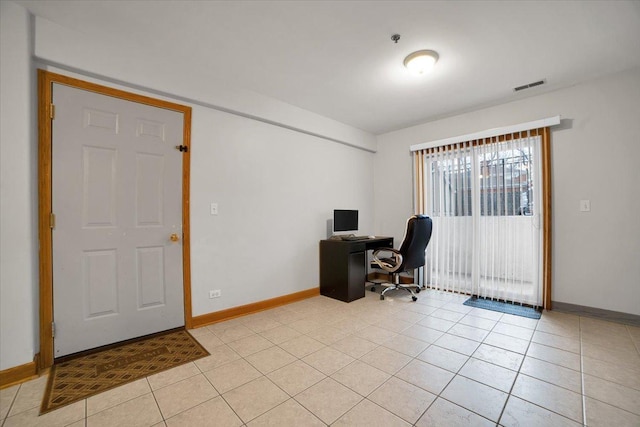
x: 345, y: 220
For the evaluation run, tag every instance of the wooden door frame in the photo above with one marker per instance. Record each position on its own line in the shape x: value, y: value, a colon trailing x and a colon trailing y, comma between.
x: 46, y: 80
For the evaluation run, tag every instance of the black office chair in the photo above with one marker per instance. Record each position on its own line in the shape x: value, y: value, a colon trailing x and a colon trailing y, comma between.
x: 410, y: 256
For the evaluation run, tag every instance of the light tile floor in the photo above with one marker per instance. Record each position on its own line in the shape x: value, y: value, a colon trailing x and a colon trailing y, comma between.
x: 369, y: 363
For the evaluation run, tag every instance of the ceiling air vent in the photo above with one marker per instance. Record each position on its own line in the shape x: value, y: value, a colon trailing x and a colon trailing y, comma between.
x: 528, y: 86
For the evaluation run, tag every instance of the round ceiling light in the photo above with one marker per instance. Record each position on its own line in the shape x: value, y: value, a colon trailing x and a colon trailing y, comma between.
x: 421, y: 61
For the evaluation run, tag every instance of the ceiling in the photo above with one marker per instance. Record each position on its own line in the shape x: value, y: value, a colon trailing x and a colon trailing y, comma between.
x: 336, y: 58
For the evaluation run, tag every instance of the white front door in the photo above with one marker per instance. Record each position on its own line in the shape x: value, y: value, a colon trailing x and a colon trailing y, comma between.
x: 117, y: 201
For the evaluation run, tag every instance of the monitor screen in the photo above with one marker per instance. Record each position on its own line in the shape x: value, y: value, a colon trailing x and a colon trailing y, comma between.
x: 345, y: 220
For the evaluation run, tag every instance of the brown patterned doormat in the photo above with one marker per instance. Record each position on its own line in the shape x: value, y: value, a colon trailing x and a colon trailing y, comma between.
x: 85, y: 376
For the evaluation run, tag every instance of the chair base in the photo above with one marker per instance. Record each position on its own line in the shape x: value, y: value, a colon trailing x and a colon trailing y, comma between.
x: 393, y: 287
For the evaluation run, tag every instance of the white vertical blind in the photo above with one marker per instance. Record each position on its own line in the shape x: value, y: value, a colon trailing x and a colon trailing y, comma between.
x: 483, y: 198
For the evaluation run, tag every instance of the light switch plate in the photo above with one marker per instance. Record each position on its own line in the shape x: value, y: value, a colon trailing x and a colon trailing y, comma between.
x: 214, y: 209
x: 585, y: 205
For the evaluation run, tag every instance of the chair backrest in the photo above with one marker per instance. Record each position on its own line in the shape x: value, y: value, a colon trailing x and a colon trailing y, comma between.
x: 414, y: 244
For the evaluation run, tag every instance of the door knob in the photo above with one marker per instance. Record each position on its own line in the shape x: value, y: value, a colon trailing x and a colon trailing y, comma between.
x: 174, y: 237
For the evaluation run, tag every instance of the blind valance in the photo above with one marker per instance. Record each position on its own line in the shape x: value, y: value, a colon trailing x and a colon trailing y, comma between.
x: 489, y: 133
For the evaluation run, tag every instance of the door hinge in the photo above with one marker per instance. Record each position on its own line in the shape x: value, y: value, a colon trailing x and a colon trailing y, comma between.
x: 52, y: 220
x: 182, y: 148
x: 52, y: 111
x: 53, y: 329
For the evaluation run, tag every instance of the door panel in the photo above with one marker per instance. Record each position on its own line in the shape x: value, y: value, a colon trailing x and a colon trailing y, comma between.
x: 100, y: 281
x: 149, y: 189
x: 150, y: 277
x: 99, y: 187
x: 117, y: 197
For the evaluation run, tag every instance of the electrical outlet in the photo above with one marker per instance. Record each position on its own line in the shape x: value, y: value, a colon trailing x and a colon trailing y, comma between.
x: 217, y: 293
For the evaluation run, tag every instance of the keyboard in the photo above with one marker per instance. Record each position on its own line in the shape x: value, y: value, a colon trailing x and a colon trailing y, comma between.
x: 354, y: 238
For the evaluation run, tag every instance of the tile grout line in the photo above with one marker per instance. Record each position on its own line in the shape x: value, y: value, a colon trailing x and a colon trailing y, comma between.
x: 449, y: 382
x: 524, y: 357
x: 386, y: 381
x: 214, y: 387
x: 455, y: 374
x: 633, y: 341
x: 394, y: 376
x: 269, y: 379
x: 154, y: 399
x: 518, y: 372
x: 582, y: 388
x: 15, y: 396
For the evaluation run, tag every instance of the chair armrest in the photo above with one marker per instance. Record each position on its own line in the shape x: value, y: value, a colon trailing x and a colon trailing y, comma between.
x: 394, y: 251
x: 388, y: 264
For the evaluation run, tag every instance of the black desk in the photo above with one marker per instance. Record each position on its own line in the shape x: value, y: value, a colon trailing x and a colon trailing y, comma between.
x: 343, y: 266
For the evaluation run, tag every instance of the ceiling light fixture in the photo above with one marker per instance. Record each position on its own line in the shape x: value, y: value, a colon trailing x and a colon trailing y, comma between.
x: 421, y: 61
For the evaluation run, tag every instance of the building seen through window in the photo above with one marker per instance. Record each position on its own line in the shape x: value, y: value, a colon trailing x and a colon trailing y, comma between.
x: 505, y: 183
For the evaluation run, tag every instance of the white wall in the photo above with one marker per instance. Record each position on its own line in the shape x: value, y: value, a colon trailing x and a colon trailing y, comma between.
x: 595, y: 153
x: 276, y: 187
x: 18, y: 202
x: 275, y: 190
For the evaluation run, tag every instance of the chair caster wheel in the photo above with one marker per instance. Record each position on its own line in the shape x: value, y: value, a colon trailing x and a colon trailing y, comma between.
x: 417, y: 290
x: 414, y: 298
x: 373, y: 289
x: 381, y: 297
